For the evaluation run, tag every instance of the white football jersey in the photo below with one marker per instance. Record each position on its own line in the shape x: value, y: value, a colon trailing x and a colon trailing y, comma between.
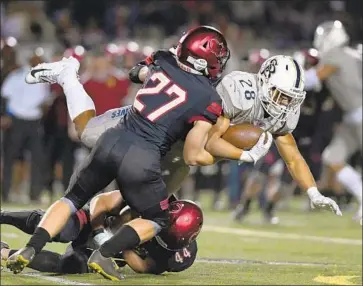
x: 239, y: 93
x: 345, y: 85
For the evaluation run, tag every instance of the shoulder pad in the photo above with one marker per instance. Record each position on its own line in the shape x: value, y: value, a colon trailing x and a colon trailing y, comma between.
x: 241, y: 89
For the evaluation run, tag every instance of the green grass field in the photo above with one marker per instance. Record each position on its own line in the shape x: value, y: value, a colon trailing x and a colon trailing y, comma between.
x: 315, y: 248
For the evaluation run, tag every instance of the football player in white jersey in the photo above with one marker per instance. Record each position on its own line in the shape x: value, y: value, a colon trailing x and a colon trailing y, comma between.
x: 340, y: 68
x: 270, y: 99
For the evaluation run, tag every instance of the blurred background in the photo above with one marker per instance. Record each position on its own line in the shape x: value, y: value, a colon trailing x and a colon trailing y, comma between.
x: 40, y: 149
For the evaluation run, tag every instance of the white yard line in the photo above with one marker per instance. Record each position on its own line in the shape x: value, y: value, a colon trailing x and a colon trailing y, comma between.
x: 9, y: 235
x: 281, y: 235
x: 55, y: 279
x: 52, y: 279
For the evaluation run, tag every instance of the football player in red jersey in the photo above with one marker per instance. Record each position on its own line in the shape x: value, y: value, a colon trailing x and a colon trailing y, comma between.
x: 171, y: 251
x: 177, y: 101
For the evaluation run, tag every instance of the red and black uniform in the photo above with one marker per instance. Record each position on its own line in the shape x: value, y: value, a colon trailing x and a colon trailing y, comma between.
x: 78, y: 231
x: 167, y: 260
x: 165, y: 108
x: 169, y: 101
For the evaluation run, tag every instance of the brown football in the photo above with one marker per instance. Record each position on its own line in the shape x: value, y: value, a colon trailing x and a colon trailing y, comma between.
x: 243, y: 136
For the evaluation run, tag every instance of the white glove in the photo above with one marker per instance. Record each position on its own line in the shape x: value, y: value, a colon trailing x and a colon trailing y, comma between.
x: 318, y: 200
x: 258, y: 151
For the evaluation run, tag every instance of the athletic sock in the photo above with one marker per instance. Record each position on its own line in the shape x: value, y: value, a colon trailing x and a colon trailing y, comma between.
x: 270, y: 207
x: 246, y: 205
x: 352, y: 181
x: 39, y: 239
x: 124, y: 239
x: 78, y: 101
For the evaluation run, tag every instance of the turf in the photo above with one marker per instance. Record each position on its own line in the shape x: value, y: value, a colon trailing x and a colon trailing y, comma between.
x: 299, y: 251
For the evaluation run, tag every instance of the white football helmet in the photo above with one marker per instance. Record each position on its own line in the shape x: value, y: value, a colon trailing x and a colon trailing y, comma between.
x: 281, y: 86
x: 329, y: 35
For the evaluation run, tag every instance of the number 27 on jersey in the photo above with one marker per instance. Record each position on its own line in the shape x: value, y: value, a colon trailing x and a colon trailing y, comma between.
x: 163, y: 85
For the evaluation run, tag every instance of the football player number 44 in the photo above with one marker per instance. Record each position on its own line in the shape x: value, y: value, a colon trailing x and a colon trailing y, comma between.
x: 181, y: 254
x: 163, y: 84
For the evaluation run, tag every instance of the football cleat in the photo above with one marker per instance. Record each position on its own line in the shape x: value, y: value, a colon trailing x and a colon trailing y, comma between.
x: 20, y: 259
x: 49, y: 72
x: 104, y: 266
x: 270, y: 219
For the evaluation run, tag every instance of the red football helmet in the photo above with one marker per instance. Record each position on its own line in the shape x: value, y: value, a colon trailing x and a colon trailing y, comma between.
x: 186, y: 221
x: 203, y: 50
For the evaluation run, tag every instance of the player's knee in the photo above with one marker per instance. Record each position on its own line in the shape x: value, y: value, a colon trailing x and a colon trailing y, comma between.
x: 76, y: 197
x: 89, y: 137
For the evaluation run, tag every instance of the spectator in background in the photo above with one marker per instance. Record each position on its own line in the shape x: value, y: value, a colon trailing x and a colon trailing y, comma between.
x: 24, y: 109
x: 8, y: 57
x: 8, y: 64
x: 107, y: 85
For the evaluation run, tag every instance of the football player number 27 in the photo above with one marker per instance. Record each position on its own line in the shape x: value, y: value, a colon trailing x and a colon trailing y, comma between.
x: 162, y: 85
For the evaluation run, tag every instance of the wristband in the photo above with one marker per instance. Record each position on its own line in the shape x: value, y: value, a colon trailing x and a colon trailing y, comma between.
x: 313, y: 192
x: 134, y: 73
x: 246, y: 157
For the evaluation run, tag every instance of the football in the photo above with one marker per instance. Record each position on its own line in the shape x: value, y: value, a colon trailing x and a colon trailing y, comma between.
x: 243, y: 136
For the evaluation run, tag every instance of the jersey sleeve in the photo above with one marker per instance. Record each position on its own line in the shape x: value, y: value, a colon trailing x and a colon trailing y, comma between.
x: 155, y: 55
x: 209, y: 113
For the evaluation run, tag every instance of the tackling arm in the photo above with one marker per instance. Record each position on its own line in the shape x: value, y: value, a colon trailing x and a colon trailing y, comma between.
x: 219, y: 147
x: 137, y: 263
x: 100, y: 205
x: 194, y: 152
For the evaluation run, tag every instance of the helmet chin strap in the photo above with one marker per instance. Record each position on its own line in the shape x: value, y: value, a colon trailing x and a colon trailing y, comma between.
x: 185, y: 67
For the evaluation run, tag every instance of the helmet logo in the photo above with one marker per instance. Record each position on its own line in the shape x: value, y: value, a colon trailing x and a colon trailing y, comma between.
x: 216, y: 48
x: 200, y: 64
x: 269, y: 69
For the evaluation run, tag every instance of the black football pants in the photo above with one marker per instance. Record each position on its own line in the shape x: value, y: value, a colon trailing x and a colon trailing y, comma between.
x: 135, y: 164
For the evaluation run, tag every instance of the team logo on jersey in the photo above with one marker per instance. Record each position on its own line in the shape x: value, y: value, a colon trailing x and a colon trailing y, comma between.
x: 270, y: 68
